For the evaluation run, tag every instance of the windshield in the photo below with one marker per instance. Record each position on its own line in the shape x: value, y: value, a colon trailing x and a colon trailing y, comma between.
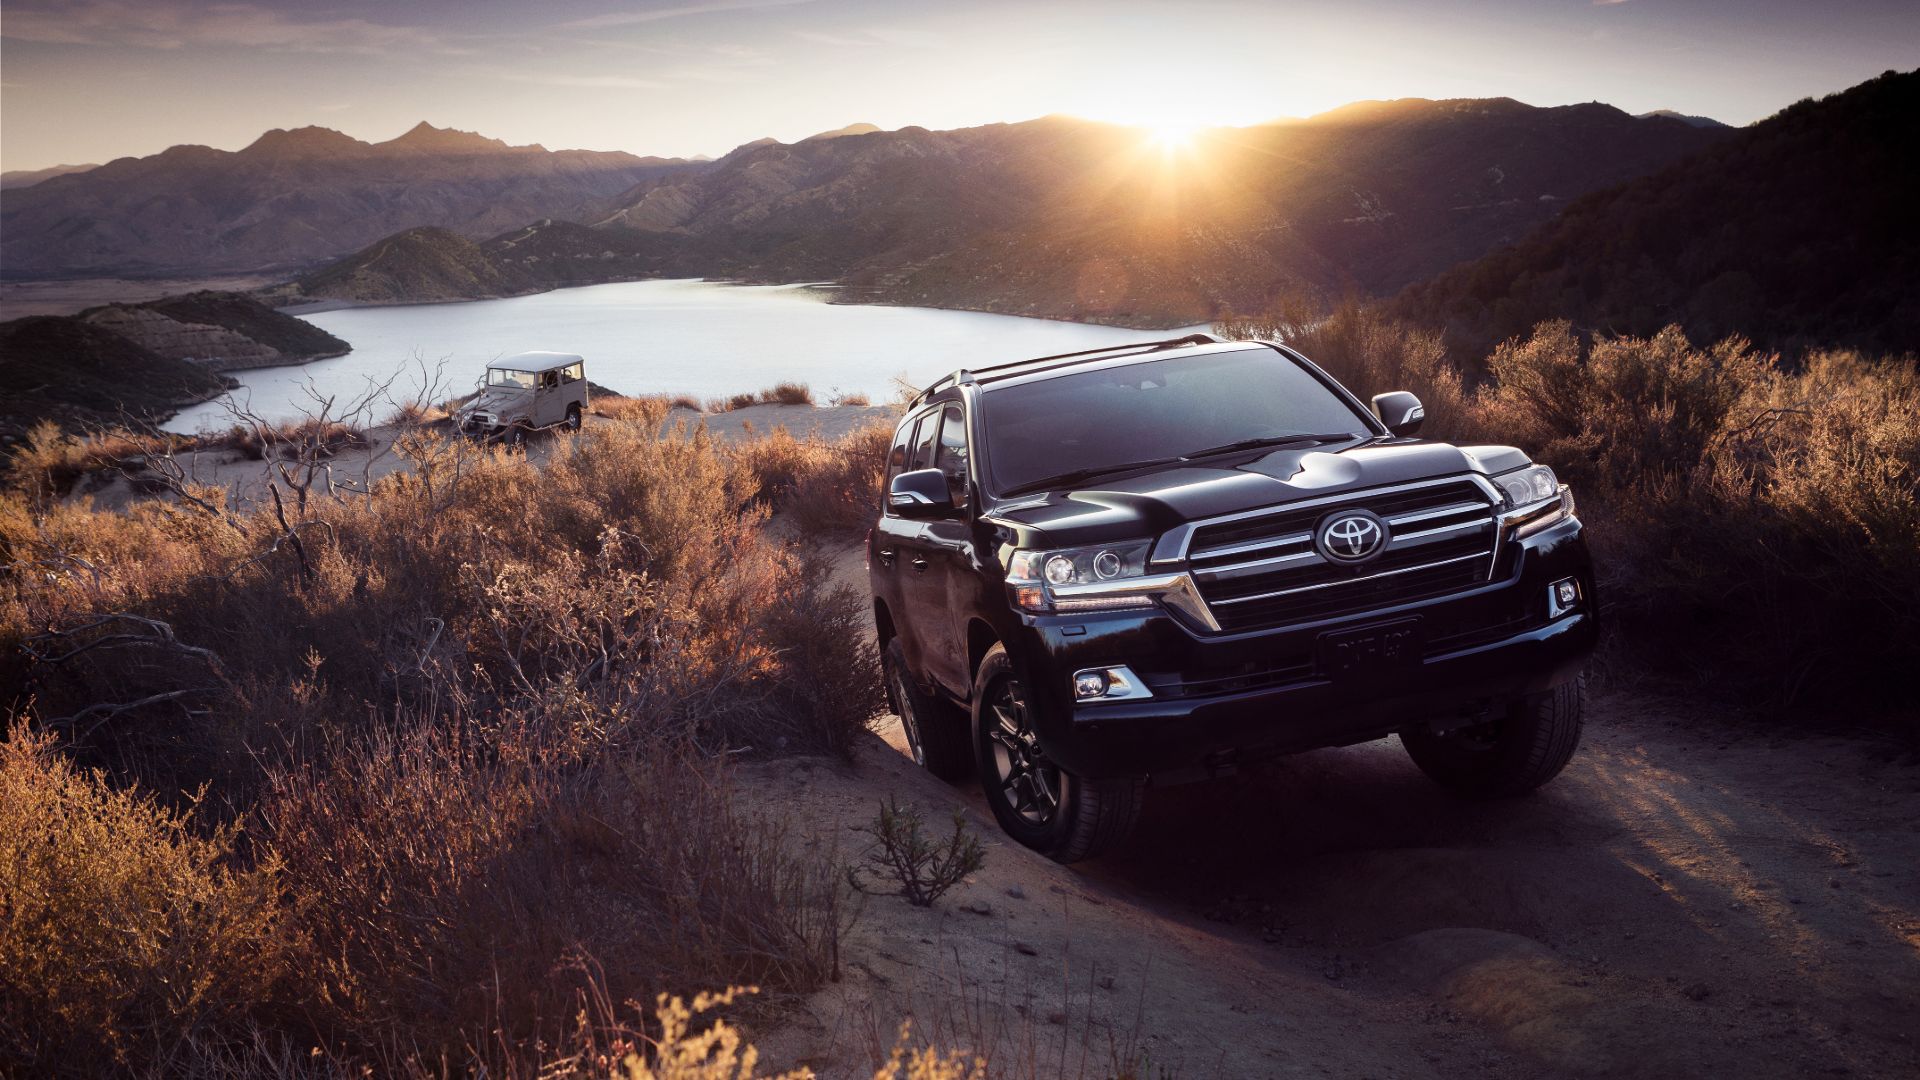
x: 1153, y: 410
x: 523, y: 380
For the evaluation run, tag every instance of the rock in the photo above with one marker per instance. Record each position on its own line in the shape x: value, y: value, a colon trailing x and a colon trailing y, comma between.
x: 1025, y: 949
x: 1697, y: 991
x: 976, y: 908
x: 1016, y: 892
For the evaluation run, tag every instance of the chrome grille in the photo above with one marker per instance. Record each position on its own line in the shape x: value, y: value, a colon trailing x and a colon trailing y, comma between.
x: 1263, y: 570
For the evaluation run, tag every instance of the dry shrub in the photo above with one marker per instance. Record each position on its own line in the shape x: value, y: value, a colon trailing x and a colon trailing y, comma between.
x: 49, y: 462
x: 1369, y: 353
x: 127, y: 931
x: 827, y: 489
x: 787, y: 393
x: 651, y: 409
x: 448, y: 876
x: 854, y: 398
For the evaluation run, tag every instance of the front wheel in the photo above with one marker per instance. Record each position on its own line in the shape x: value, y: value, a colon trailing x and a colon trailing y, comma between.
x: 1517, y: 751
x: 1063, y: 816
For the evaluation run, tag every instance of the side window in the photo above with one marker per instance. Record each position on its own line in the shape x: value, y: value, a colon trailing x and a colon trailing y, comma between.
x: 923, y: 446
x: 571, y: 373
x: 950, y: 456
x: 897, y: 457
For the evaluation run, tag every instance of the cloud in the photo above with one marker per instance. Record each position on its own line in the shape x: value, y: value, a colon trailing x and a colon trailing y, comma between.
x: 160, y: 24
x: 874, y: 35
x: 628, y: 18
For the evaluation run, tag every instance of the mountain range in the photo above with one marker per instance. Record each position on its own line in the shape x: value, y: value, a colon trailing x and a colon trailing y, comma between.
x: 1802, y: 230
x: 1072, y: 218
x: 296, y: 198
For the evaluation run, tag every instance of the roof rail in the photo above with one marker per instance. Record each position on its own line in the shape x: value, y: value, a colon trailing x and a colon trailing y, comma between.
x: 966, y: 375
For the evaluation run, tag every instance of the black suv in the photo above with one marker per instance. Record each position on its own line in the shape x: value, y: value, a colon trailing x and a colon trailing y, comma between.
x: 1155, y: 562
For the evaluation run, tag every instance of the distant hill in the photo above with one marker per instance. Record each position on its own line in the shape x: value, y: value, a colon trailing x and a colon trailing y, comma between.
x: 20, y: 178
x: 850, y: 129
x: 418, y: 265
x: 1696, y: 121
x: 65, y: 369
x: 1072, y: 218
x: 1803, y: 229
x: 146, y: 360
x: 296, y: 198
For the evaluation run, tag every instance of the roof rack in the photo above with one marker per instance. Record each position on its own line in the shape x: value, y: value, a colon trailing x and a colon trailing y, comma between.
x: 966, y: 375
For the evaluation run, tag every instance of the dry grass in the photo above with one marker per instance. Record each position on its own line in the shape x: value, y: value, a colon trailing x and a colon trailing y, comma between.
x: 786, y: 393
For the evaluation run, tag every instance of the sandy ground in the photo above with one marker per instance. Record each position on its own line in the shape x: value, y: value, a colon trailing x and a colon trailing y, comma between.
x: 1693, y: 897
x: 19, y: 299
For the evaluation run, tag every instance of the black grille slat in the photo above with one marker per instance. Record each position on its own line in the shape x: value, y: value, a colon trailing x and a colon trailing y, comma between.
x: 1439, y: 563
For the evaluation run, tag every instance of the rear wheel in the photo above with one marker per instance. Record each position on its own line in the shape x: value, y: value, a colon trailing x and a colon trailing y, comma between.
x: 573, y: 418
x: 936, y: 730
x: 1046, y: 808
x: 1519, y: 750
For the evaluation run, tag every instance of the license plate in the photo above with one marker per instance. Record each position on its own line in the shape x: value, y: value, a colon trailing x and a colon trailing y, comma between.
x: 1375, y: 650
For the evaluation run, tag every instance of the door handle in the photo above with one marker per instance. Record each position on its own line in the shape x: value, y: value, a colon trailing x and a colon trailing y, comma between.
x: 886, y: 556
x: 919, y: 562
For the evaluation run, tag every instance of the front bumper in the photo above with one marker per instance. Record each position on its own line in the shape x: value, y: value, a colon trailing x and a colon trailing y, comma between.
x: 1224, y: 699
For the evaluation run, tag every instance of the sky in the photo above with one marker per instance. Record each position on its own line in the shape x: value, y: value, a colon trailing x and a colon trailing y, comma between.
x: 92, y: 80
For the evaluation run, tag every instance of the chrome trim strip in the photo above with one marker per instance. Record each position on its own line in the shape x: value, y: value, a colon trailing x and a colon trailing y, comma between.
x: 1348, y: 581
x: 1176, y: 591
x: 1172, y: 546
x: 1441, y: 530
x: 1423, y: 515
x: 1252, y: 545
x: 1222, y: 573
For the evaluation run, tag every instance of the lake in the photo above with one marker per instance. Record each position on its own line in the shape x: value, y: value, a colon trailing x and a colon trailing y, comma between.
x: 645, y: 337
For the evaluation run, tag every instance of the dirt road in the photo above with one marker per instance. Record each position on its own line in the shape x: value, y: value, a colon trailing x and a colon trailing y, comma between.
x: 1693, y: 897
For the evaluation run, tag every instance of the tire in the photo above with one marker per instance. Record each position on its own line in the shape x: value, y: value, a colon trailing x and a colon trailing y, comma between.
x: 1086, y: 817
x: 937, y: 734
x: 574, y: 419
x: 516, y: 437
x: 1510, y: 755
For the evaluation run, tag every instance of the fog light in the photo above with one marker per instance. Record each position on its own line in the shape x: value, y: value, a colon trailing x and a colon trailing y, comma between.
x: 1109, y: 684
x: 1563, y: 596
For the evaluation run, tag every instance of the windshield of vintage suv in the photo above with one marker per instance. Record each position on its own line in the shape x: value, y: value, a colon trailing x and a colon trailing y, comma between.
x: 1150, y: 411
x: 522, y: 380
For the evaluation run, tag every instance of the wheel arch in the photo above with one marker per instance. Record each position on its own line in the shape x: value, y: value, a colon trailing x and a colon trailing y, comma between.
x: 980, y: 638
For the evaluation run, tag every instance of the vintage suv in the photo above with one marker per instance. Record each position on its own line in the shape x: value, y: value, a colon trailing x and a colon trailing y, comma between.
x: 526, y: 393
x: 1151, y: 563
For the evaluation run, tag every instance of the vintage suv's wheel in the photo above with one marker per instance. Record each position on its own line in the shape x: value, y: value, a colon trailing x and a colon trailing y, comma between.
x: 936, y: 731
x: 1063, y: 816
x: 573, y: 418
x: 1512, y: 754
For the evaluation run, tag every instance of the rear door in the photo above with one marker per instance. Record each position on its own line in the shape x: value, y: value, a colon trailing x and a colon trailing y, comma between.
x: 899, y: 551
x: 948, y: 543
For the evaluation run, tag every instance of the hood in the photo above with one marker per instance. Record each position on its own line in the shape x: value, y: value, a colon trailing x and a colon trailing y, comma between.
x: 1153, y: 502
x: 499, y: 399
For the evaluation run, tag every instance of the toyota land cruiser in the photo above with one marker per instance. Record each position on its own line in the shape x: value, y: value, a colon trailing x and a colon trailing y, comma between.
x: 1157, y: 562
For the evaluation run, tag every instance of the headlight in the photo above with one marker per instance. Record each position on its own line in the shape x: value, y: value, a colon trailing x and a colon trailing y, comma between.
x: 1524, y: 487
x: 1536, y: 499
x: 1056, y: 580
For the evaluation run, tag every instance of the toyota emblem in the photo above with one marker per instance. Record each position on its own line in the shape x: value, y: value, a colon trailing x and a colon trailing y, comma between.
x: 1352, y: 536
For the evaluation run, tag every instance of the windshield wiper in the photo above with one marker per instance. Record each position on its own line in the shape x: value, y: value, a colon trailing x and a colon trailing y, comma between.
x: 1088, y: 473
x: 1269, y: 440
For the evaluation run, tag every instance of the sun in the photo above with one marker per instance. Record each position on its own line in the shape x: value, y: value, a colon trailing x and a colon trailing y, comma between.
x: 1172, y: 137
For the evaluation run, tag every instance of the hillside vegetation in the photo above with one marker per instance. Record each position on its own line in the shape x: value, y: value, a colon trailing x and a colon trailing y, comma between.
x: 1799, y: 231
x: 412, y: 776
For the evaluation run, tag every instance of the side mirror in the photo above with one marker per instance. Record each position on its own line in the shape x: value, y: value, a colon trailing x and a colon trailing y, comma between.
x: 1400, y: 411
x: 920, y: 494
